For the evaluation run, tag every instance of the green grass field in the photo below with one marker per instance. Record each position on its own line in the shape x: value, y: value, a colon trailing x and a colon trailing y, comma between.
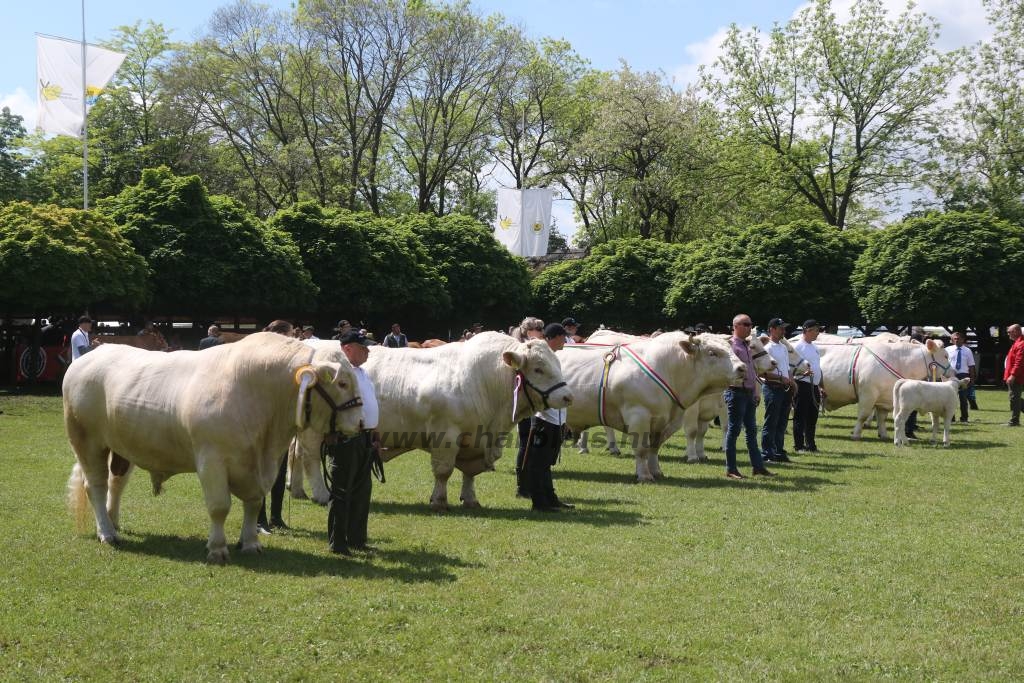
x: 859, y: 563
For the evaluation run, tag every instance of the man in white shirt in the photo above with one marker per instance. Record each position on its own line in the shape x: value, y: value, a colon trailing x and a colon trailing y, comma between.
x: 571, y: 328
x: 961, y: 359
x: 778, y: 388
x: 80, y: 342
x: 545, y: 442
x: 351, y: 461
x: 808, y: 391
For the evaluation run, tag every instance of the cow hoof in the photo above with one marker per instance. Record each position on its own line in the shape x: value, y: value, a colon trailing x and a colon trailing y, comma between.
x: 855, y: 437
x: 254, y: 549
x: 614, y: 451
x: 471, y: 504
x: 439, y: 505
x: 300, y: 495
x: 218, y: 556
x: 111, y: 539
x: 645, y: 480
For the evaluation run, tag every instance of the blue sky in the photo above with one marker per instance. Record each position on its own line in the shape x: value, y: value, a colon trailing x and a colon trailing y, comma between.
x: 669, y: 35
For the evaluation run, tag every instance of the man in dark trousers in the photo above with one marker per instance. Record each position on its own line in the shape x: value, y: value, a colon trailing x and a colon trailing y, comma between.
x: 545, y: 442
x: 351, y: 461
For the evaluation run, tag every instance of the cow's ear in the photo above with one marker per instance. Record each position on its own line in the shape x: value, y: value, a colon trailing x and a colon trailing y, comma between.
x: 932, y: 345
x: 328, y: 372
x: 514, y: 360
x: 690, y: 345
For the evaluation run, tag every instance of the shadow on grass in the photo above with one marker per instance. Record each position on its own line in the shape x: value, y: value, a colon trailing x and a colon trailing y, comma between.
x: 585, y: 514
x: 784, y: 482
x: 411, y: 566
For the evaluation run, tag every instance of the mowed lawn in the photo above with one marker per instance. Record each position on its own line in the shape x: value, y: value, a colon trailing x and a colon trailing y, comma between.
x: 858, y: 563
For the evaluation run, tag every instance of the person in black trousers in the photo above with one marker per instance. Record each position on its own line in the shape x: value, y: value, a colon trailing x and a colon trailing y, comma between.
x: 545, y: 442
x: 276, y: 521
x: 530, y: 328
x: 808, y: 391
x: 351, y: 461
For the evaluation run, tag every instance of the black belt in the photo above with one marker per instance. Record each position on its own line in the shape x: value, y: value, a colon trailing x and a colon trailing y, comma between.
x: 745, y: 390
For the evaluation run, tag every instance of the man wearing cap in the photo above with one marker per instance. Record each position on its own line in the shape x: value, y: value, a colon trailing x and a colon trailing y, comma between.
x: 778, y: 388
x: 350, y: 464
x: 309, y: 334
x: 80, y: 342
x: 741, y: 403
x: 341, y: 328
x: 545, y: 442
x: 808, y: 391
x: 571, y: 327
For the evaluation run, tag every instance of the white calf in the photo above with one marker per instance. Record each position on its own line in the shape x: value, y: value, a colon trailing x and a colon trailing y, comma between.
x: 938, y: 398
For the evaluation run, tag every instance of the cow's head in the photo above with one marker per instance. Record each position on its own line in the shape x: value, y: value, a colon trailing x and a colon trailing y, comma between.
x: 798, y: 365
x: 328, y: 395
x: 763, y: 361
x: 939, y: 366
x: 541, y: 374
x: 708, y: 364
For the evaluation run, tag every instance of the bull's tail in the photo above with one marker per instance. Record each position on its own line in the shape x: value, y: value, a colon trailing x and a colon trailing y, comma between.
x: 78, y: 498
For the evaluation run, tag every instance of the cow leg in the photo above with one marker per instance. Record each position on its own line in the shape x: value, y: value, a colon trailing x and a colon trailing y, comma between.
x: 864, y: 411
x: 946, y: 428
x: 96, y: 477
x: 881, y: 414
x: 296, y: 467
x: 213, y: 478
x: 468, y: 495
x: 613, y: 446
x: 935, y: 428
x: 442, y: 462
x: 698, y: 443
x: 900, y: 427
x: 249, y: 540
x: 115, y: 489
x: 581, y: 443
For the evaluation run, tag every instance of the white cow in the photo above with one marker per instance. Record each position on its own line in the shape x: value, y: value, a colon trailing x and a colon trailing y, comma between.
x: 226, y: 413
x: 648, y: 385
x: 865, y: 373
x: 697, y: 419
x: 938, y: 398
x: 459, y: 402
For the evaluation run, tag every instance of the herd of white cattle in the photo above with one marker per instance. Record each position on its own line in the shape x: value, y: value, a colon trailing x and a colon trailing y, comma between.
x: 229, y: 412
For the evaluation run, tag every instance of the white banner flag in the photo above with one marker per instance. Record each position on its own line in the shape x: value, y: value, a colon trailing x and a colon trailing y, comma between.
x: 524, y: 220
x: 536, y: 221
x: 59, y: 81
x: 508, y: 229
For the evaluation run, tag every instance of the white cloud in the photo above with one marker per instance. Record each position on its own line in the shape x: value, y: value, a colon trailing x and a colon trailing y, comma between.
x: 22, y: 104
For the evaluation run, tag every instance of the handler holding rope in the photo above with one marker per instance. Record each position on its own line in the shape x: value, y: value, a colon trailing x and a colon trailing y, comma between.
x: 778, y: 395
x: 351, y: 461
x: 809, y: 392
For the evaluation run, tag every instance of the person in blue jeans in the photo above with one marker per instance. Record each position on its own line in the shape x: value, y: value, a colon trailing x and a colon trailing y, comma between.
x: 741, y: 402
x: 778, y: 395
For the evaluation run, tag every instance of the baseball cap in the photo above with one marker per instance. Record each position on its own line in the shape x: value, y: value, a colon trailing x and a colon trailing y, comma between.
x: 777, y: 322
x: 354, y: 337
x: 809, y: 323
x: 570, y: 322
x: 554, y: 330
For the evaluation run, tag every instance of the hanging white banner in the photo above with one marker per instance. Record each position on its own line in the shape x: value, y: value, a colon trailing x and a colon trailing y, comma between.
x: 508, y: 225
x: 59, y: 81
x: 536, y: 221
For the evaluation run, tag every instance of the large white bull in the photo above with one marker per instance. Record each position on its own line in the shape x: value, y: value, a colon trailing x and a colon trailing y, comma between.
x: 459, y: 402
x: 643, y: 387
x: 695, y: 419
x: 226, y: 413
x: 865, y: 373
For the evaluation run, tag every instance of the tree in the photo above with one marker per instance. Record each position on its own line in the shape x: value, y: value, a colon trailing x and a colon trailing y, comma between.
x: 953, y: 269
x: 13, y: 162
x: 845, y: 109
x: 484, y: 281
x: 791, y: 271
x: 364, y: 267
x: 621, y: 284
x: 208, y: 255
x: 981, y: 165
x: 58, y: 259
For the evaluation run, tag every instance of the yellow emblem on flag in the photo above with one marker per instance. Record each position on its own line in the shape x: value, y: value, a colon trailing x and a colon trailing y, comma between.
x: 50, y: 91
x: 505, y: 223
x: 537, y: 227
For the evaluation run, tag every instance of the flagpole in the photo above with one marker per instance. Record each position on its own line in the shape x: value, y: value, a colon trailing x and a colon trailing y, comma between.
x: 85, y: 125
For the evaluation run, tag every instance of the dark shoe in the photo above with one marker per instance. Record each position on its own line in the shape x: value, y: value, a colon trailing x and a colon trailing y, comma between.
x: 780, y: 458
x: 343, y: 550
x: 564, y: 505
x: 963, y: 419
x: 278, y: 523
x: 974, y: 406
x: 1011, y: 423
x: 546, y: 508
x: 763, y: 472
x: 812, y: 449
x: 733, y: 475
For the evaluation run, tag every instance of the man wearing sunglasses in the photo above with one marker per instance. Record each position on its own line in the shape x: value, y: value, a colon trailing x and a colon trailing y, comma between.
x: 741, y: 402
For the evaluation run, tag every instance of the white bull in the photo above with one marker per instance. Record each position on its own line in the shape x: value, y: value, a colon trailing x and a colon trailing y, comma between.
x: 647, y: 386
x: 459, y: 402
x: 695, y: 419
x: 226, y: 413
x: 941, y: 399
x: 865, y: 373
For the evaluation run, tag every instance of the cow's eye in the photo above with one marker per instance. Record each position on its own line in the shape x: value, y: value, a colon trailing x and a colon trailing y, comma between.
x: 538, y: 371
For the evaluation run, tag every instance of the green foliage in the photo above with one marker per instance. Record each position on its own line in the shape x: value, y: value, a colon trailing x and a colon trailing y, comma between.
x: 208, y: 255
x: 56, y: 259
x: 13, y: 163
x: 366, y: 269
x: 793, y: 271
x: 954, y: 268
x: 621, y: 284
x: 484, y: 281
